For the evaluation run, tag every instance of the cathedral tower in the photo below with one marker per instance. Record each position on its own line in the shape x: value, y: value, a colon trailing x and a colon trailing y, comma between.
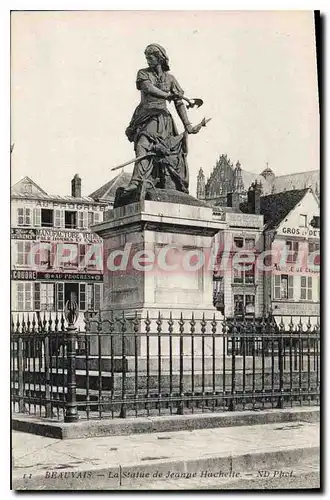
x: 201, y: 185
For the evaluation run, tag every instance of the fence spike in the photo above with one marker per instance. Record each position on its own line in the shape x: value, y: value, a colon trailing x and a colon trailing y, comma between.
x: 203, y: 324
x: 12, y: 323
x: 62, y: 322
x: 28, y: 323
x: 23, y: 323
x: 136, y: 323
x: 17, y: 323
x: 170, y: 324
x: 159, y: 323
x: 33, y: 328
x: 192, y: 323
x: 56, y: 322
x: 147, y: 323
x: 309, y: 325
x: 50, y: 323
x: 214, y: 324
x: 44, y: 322
x: 181, y: 323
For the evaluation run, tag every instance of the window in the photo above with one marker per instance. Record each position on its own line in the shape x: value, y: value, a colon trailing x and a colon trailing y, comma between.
x: 244, y: 305
x: 69, y: 255
x: 47, y: 217
x: 293, y: 249
x: 22, y: 296
x: 313, y: 247
x: 44, y: 296
x: 249, y: 305
x: 239, y: 305
x: 94, y: 256
x: 302, y: 220
x: 249, y: 275
x: 24, y: 216
x: 283, y: 287
x: 89, y: 296
x: 27, y: 188
x: 239, y: 242
x: 315, y: 222
x: 243, y: 276
x: 70, y: 219
x: 23, y: 249
x: 250, y: 243
x: 218, y: 290
x: 238, y: 275
x: 306, y: 288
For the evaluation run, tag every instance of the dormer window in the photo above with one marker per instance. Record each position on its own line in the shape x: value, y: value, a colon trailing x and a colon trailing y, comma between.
x: 27, y: 188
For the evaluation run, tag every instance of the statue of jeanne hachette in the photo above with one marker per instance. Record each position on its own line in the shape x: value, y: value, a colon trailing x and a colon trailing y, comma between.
x: 160, y: 150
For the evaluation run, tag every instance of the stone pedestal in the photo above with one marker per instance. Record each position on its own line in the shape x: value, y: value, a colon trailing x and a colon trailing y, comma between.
x: 158, y: 263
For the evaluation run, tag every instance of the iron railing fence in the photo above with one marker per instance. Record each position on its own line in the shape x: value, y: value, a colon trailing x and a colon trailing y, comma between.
x: 121, y: 367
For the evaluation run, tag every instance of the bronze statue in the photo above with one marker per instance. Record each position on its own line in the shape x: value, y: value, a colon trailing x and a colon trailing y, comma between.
x: 160, y: 151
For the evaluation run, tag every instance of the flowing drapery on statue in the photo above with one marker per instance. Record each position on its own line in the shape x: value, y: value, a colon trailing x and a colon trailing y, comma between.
x: 161, y: 152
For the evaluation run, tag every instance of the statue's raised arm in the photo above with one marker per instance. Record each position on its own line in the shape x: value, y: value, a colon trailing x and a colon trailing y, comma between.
x: 160, y: 150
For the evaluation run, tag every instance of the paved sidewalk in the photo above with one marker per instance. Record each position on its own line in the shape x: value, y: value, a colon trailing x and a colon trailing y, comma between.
x: 135, y: 461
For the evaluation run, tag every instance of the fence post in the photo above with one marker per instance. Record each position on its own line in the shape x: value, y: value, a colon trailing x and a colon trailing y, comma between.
x: 281, y: 333
x: 232, y: 405
x: 20, y: 374
x: 71, y: 315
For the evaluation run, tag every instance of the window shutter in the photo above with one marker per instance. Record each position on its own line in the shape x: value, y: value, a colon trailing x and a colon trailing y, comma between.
x: 28, y: 297
x: 90, y: 297
x: 97, y: 296
x: 60, y: 296
x: 82, y: 253
x: 59, y: 218
x: 37, y: 296
x: 82, y: 296
x: 310, y: 288
x: 303, y: 291
x: 277, y: 286
x: 20, y: 296
x: 85, y: 220
x: 28, y: 213
x: 20, y: 216
x: 290, y: 287
x: 37, y: 216
x: 80, y: 220
x: 97, y: 217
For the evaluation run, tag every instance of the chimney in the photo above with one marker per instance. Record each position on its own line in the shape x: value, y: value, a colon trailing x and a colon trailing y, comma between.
x: 76, y: 186
x: 254, y: 194
x: 233, y: 200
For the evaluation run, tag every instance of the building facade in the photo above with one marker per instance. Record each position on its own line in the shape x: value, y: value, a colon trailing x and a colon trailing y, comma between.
x: 55, y: 255
x: 275, y: 240
x: 292, y: 236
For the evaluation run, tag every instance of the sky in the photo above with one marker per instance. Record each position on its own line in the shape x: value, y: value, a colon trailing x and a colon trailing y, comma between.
x: 73, y: 90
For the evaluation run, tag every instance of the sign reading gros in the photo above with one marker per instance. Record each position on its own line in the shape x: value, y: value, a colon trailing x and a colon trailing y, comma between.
x: 300, y: 231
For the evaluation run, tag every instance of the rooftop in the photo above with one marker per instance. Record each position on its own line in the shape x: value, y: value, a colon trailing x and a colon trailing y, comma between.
x: 275, y: 207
